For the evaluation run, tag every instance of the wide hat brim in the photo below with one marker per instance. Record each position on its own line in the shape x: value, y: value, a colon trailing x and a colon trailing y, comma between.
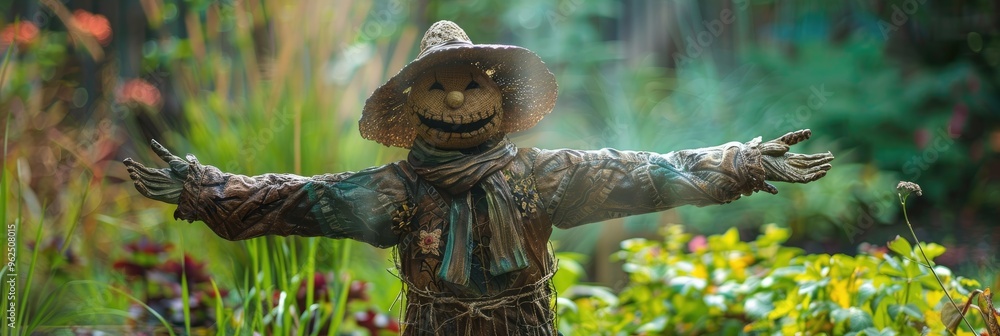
x: 529, y: 89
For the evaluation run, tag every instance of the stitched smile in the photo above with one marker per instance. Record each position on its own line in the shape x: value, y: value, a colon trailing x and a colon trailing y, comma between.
x: 456, y: 128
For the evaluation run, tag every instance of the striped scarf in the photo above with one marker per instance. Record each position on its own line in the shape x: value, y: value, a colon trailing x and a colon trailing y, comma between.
x: 457, y: 173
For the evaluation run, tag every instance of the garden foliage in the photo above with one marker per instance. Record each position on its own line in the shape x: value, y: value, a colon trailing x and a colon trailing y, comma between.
x: 688, y: 285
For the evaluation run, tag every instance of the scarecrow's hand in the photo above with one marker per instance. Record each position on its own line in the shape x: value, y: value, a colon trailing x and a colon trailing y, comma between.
x: 161, y: 184
x: 782, y: 166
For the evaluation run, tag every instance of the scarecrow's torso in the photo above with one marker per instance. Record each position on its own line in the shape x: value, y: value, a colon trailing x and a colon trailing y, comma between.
x: 520, y: 299
x: 423, y: 234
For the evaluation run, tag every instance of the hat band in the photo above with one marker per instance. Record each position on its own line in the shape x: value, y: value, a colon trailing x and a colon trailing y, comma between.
x: 442, y: 45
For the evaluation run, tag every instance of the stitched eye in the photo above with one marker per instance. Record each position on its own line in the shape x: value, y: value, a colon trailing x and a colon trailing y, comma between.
x: 436, y: 86
x: 472, y: 85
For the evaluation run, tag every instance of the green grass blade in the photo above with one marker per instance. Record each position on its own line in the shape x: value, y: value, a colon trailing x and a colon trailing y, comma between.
x: 245, y: 318
x: 22, y: 301
x: 185, y: 299
x: 79, y: 216
x: 261, y: 269
x: 341, y: 305
x: 289, y: 263
x: 312, y: 247
x: 3, y: 161
x: 220, y: 325
x: 265, y: 267
x: 3, y: 78
x: 3, y: 210
x: 170, y: 329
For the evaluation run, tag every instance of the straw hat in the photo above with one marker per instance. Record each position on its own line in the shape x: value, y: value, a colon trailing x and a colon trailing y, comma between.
x: 529, y: 88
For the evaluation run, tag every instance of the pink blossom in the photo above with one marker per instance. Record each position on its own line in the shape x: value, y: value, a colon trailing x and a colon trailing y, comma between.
x: 141, y: 92
x: 956, y: 124
x: 358, y: 291
x: 921, y: 138
x: 95, y: 25
x: 376, y: 323
x: 698, y: 244
x: 23, y: 33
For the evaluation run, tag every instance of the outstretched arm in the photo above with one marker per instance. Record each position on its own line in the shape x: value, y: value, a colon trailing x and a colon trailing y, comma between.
x: 588, y: 186
x: 345, y: 205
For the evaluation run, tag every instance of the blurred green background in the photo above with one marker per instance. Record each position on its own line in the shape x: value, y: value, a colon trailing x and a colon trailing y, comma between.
x: 897, y: 90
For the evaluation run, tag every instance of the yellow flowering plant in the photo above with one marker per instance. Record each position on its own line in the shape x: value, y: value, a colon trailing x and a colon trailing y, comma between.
x: 725, y: 286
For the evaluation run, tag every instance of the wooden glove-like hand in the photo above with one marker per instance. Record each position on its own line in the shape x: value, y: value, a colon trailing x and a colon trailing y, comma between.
x: 161, y: 184
x: 782, y: 166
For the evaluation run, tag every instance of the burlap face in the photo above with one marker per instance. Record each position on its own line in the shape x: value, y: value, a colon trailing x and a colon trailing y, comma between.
x: 528, y: 89
x: 455, y: 107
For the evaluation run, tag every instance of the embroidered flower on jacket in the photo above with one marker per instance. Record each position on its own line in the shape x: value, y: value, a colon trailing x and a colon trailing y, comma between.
x: 430, y: 242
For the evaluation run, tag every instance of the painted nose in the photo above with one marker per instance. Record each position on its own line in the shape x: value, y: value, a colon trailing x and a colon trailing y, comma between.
x: 455, y: 99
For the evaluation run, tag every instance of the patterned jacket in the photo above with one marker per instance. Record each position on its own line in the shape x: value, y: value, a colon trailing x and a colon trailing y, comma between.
x: 393, y: 206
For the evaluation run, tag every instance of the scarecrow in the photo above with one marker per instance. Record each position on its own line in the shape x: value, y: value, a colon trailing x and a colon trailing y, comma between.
x: 469, y: 213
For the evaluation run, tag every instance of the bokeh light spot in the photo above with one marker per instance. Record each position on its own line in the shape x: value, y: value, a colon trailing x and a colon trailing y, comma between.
x: 975, y: 41
x: 80, y: 97
x: 530, y: 19
x: 149, y: 49
x: 169, y: 12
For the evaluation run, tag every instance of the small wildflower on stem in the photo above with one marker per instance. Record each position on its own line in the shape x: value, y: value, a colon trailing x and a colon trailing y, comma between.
x: 904, y: 189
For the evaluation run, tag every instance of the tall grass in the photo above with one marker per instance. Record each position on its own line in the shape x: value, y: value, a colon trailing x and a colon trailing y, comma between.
x: 257, y: 96
x: 274, y: 108
x: 4, y: 187
x: 4, y: 176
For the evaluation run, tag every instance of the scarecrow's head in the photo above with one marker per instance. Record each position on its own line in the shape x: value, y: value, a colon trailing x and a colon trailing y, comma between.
x: 458, y: 95
x: 455, y: 106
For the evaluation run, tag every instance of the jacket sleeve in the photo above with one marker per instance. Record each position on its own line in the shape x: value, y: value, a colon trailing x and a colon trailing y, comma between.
x: 579, y: 187
x: 351, y: 205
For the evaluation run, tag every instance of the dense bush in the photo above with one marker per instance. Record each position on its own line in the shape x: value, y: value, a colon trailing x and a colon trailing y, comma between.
x: 690, y: 285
